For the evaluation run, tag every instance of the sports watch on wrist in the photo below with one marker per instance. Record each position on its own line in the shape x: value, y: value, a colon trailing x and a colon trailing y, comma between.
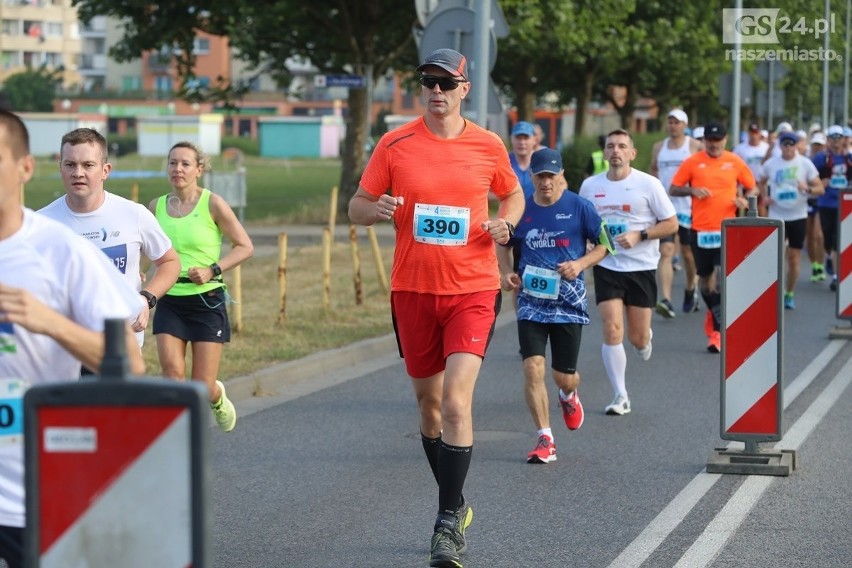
x: 643, y: 235
x: 217, y: 270
x: 511, y: 228
x: 152, y: 299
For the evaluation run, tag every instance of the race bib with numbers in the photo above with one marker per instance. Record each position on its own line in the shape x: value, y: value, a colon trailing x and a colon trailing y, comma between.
x: 541, y: 282
x: 786, y: 194
x: 616, y: 227
x: 12, y: 411
x: 684, y: 220
x: 710, y: 239
x: 118, y: 255
x: 441, y: 224
x: 838, y: 181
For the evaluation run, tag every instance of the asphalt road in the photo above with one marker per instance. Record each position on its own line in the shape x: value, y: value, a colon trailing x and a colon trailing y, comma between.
x: 330, y: 472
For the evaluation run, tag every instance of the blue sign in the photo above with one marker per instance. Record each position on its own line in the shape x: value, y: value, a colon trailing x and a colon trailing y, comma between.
x: 351, y: 81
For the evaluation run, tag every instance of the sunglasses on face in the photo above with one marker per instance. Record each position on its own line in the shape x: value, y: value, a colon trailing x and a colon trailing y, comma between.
x: 835, y: 137
x: 446, y: 83
x: 787, y: 143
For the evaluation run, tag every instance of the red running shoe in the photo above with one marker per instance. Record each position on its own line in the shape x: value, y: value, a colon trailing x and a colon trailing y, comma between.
x: 572, y: 410
x: 708, y: 324
x: 544, y: 451
x: 714, y: 344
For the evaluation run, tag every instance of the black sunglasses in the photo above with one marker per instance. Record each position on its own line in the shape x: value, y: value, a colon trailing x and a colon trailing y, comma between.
x: 446, y: 83
x: 787, y: 142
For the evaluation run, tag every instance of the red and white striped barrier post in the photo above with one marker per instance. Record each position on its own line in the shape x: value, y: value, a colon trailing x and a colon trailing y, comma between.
x: 752, y: 329
x: 116, y: 470
x: 844, y: 266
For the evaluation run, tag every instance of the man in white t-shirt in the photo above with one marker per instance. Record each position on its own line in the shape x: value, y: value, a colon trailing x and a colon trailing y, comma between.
x: 56, y: 290
x: 786, y: 184
x: 753, y: 150
x: 666, y: 157
x: 638, y: 212
x: 122, y: 229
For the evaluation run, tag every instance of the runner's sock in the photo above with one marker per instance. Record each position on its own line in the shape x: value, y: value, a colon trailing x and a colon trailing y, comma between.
x: 615, y: 362
x: 453, y: 463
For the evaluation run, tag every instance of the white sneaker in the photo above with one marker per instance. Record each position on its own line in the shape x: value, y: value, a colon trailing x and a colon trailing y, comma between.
x: 645, y: 352
x: 620, y: 406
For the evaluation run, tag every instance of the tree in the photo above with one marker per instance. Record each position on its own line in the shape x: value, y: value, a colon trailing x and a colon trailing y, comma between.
x: 32, y: 90
x: 342, y: 36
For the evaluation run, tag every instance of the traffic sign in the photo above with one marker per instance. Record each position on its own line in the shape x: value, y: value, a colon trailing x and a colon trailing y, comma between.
x: 349, y: 81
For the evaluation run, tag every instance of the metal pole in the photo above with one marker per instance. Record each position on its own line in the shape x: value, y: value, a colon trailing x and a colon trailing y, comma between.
x: 481, y: 57
x: 368, y: 77
x: 734, y: 138
x: 846, y: 69
x: 770, y: 110
x: 825, y: 70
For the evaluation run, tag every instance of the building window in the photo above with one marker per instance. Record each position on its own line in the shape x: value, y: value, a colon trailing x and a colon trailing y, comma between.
x: 11, y: 59
x: 164, y: 84
x: 32, y: 58
x: 53, y: 29
x: 53, y: 60
x: 201, y: 46
x: 131, y: 83
x: 11, y: 27
x: 33, y: 29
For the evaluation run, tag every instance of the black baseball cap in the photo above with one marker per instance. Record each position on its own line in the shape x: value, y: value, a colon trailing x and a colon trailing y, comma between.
x: 447, y: 59
x: 714, y: 130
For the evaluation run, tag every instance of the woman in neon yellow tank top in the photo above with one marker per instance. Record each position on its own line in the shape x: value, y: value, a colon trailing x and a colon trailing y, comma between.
x: 194, y: 310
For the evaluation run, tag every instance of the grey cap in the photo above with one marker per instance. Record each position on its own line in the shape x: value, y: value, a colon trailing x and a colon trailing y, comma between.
x: 447, y: 59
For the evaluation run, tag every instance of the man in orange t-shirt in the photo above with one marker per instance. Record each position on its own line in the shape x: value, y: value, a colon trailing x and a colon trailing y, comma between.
x: 715, y: 179
x: 432, y: 178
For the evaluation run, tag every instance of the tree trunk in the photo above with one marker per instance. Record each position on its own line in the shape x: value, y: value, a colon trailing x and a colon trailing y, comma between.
x: 354, y: 156
x: 525, y: 96
x: 583, y: 98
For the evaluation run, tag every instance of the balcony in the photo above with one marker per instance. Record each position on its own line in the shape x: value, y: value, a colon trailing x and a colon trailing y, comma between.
x: 94, y: 29
x: 92, y: 64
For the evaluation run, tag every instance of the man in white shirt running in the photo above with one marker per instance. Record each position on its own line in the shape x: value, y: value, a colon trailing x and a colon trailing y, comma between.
x: 753, y: 150
x: 786, y: 184
x: 56, y: 290
x: 122, y: 229
x: 637, y: 212
x: 666, y: 157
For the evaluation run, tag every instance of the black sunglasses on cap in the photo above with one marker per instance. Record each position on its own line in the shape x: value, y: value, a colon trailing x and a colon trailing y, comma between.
x: 446, y: 83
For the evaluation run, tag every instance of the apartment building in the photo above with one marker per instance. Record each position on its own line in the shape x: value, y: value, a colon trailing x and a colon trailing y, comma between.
x: 36, y: 32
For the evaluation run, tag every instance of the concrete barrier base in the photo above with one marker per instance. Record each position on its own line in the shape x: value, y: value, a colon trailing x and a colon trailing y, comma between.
x: 724, y: 460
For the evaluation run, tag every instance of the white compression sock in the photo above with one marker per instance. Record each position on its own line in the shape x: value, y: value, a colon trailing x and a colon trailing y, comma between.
x: 615, y: 362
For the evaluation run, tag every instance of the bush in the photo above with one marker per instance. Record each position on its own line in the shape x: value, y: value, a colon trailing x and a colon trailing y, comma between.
x: 248, y: 146
x: 122, y: 144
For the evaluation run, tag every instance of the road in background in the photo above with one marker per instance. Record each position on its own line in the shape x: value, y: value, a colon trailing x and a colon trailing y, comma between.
x: 333, y: 475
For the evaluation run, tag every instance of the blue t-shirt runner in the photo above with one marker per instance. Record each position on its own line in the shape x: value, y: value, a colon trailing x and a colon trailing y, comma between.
x: 548, y: 236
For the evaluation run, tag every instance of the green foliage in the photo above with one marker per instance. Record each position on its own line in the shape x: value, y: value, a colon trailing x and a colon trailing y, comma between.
x: 32, y: 90
x: 247, y: 146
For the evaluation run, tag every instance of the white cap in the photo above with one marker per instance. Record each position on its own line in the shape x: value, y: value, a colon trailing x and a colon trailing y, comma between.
x: 816, y: 126
x: 698, y: 132
x: 784, y: 127
x: 764, y: 134
x: 802, y: 134
x: 818, y: 138
x: 679, y: 115
x: 835, y: 130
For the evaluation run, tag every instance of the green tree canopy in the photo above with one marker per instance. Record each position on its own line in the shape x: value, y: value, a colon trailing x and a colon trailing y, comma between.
x: 32, y: 90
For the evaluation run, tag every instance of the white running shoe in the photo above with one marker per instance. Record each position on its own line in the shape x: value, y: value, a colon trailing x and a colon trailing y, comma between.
x: 645, y: 352
x: 620, y: 406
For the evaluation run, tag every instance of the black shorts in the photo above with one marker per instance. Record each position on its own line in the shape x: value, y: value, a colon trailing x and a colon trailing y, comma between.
x: 12, y: 546
x: 812, y: 207
x: 669, y: 239
x: 706, y: 259
x: 637, y: 288
x: 685, y: 236
x: 564, y: 343
x: 200, y: 317
x: 795, y: 233
x: 828, y: 220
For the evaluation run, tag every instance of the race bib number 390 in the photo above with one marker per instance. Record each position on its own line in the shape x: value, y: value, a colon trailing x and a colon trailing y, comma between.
x: 12, y: 411
x: 441, y: 224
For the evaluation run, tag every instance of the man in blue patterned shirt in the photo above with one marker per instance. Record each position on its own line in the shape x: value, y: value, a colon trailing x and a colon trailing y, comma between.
x: 552, y: 237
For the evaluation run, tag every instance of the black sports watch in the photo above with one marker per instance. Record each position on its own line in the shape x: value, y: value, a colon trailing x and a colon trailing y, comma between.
x: 217, y: 270
x: 152, y: 299
x: 511, y: 228
x: 643, y: 235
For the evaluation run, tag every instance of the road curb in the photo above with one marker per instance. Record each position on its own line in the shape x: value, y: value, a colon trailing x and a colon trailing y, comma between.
x: 277, y: 379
